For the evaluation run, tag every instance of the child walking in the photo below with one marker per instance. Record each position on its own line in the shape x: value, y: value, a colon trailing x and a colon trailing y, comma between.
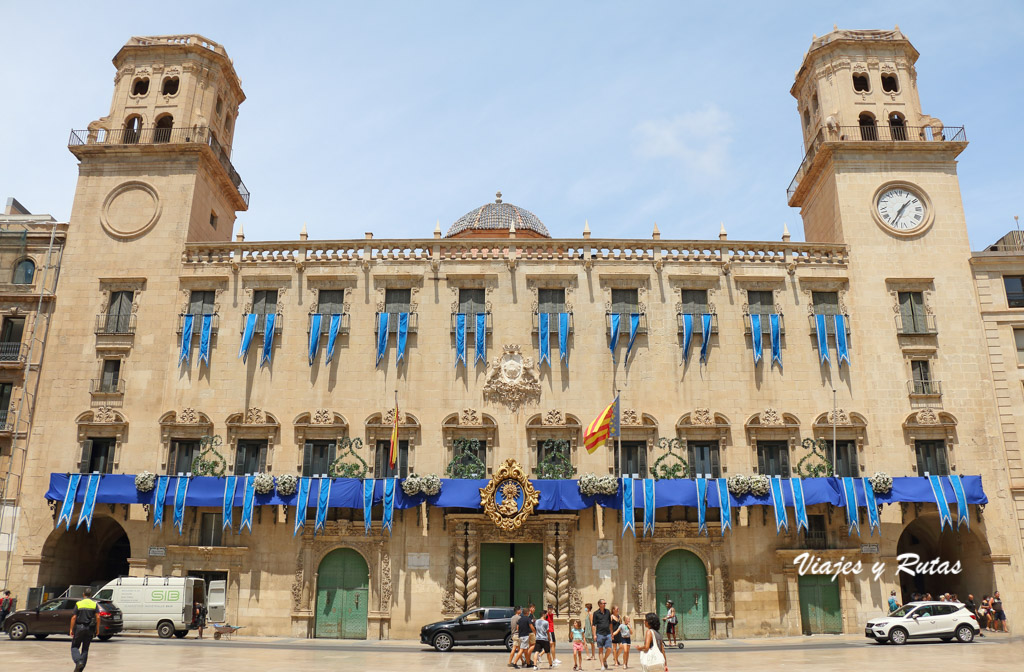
x: 576, y: 634
x: 625, y: 634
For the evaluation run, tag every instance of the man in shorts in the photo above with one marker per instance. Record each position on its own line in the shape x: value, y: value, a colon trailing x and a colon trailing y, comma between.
x: 514, y: 629
x: 998, y: 615
x: 602, y: 622
x: 543, y: 643
x: 527, y: 629
x: 670, y: 622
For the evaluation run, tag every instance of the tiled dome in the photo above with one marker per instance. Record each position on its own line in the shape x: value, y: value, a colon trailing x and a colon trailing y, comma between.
x: 498, y: 217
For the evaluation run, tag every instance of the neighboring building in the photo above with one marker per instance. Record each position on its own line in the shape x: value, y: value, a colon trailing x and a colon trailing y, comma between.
x: 152, y: 253
x: 30, y: 251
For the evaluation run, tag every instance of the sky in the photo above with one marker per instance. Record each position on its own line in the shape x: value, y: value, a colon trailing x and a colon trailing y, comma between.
x: 391, y: 116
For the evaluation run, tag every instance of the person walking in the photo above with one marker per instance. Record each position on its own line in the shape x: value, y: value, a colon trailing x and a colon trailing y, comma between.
x: 670, y: 622
x: 999, y: 616
x: 602, y: 620
x: 893, y: 602
x: 514, y: 629
x: 6, y: 607
x: 616, y: 637
x: 973, y: 608
x: 85, y: 624
x: 625, y: 640
x: 526, y: 630
x: 543, y: 645
x: 199, y: 617
x: 652, y: 651
x: 588, y: 630
x: 576, y: 635
x: 550, y: 616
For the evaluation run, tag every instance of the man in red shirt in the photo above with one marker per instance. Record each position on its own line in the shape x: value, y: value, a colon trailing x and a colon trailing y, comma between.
x: 550, y: 617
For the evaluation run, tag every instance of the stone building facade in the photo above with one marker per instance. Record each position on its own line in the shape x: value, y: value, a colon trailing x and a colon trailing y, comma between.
x: 157, y: 191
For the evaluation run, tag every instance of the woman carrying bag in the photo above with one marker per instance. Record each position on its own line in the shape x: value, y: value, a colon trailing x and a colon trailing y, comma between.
x: 652, y: 651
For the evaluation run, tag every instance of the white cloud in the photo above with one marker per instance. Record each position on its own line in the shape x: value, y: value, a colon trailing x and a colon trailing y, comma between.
x: 699, y: 141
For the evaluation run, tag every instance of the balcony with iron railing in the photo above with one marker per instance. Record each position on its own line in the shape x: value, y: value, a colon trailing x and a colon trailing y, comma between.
x: 766, y: 324
x: 916, y: 325
x: 6, y: 422
x: 830, y: 324
x: 552, y: 322
x: 106, y: 386
x: 698, y: 325
x: 115, y: 324
x: 624, y: 321
x: 924, y: 388
x: 197, y: 324
x: 325, y: 324
x: 261, y: 325
x: 126, y: 137
x: 815, y: 539
x: 13, y: 353
x: 471, y: 322
x: 882, y: 135
x: 414, y: 322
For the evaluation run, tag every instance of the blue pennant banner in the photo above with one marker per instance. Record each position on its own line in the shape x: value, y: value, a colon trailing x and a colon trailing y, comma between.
x: 481, y: 338
x: 382, y: 335
x: 962, y: 515
x: 228, y: 507
x: 775, y: 330
x: 850, y: 502
x: 544, y: 337
x: 367, y: 504
x: 725, y: 504
x: 627, y: 506
x: 842, y: 350
x: 649, y: 503
x: 158, y: 500
x: 634, y: 329
x: 563, y: 337
x: 614, y: 341
x: 687, y: 335
x: 89, y: 502
x: 314, y: 335
x: 68, y: 507
x: 940, y: 500
x: 180, y: 492
x: 204, y: 340
x: 460, y: 339
x: 301, y: 505
x: 186, y: 339
x: 702, y: 506
x: 247, y: 331
x: 799, y: 503
x: 323, y: 501
x: 779, y: 505
x: 268, y: 338
x: 822, y: 333
x: 755, y: 336
x: 248, y: 499
x: 389, y: 504
x: 332, y: 337
x: 403, y: 336
x: 705, y: 335
x: 869, y: 501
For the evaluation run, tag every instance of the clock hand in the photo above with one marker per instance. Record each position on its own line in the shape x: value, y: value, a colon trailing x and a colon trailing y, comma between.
x: 900, y: 212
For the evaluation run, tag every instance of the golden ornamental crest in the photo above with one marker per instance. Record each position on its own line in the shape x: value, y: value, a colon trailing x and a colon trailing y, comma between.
x: 510, y: 497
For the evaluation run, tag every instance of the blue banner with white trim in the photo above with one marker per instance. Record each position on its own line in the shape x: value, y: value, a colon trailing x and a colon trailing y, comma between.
x: 301, y: 505
x: 314, y: 335
x: 382, y: 335
x: 842, y: 350
x: 186, y: 339
x: 228, y: 507
x: 481, y: 338
x: 634, y: 329
x: 332, y: 337
x: 687, y: 336
x: 323, y: 502
x: 544, y: 337
x: 248, y: 330
x: 725, y: 504
x: 563, y: 338
x: 180, y: 492
x: 755, y: 337
x: 705, y: 335
x: 799, y: 505
x: 702, y: 506
x: 367, y: 503
x: 389, y: 504
x: 268, y: 338
x: 615, y: 317
x: 649, y: 505
x: 158, y: 500
x: 89, y: 505
x: 204, y: 340
x: 962, y: 515
x: 460, y: 339
x: 403, y: 335
x: 779, y: 505
x: 822, y: 333
x: 869, y: 501
x: 248, y: 501
x: 775, y: 331
x: 940, y: 500
x: 850, y: 502
x: 67, y: 509
x: 628, y: 522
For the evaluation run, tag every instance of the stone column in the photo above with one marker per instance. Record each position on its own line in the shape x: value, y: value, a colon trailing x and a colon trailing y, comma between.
x: 138, y: 566
x: 791, y: 616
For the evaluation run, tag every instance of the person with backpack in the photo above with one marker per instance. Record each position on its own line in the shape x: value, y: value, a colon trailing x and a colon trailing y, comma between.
x: 652, y: 651
x: 6, y: 607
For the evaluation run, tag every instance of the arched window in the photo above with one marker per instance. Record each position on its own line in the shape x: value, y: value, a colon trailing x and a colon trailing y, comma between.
x: 140, y: 86
x: 890, y: 84
x: 227, y: 123
x: 170, y: 86
x: 24, y: 272
x: 807, y: 118
x: 898, y: 126
x: 861, y: 83
x: 814, y: 103
x: 132, y: 129
x: 868, y: 130
x: 162, y: 132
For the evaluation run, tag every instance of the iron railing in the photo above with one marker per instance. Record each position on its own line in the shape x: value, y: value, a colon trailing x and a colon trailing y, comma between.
x: 879, y: 133
x: 5, y: 426
x: 13, y: 351
x: 830, y: 324
x: 766, y: 324
x: 624, y: 323
x: 816, y: 539
x: 197, y: 324
x: 161, y: 136
x: 924, y: 388
x: 471, y: 322
x: 106, y: 386
x: 115, y: 323
x: 552, y: 322
x: 261, y: 325
x: 698, y: 325
x: 916, y: 325
x: 414, y: 322
x: 325, y: 324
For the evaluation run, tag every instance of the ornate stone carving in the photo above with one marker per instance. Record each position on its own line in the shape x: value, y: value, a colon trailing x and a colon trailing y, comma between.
x: 702, y: 417
x: 553, y: 417
x: 322, y: 416
x: 927, y: 416
x: 469, y: 417
x: 188, y: 416
x: 509, y: 498
x: 389, y: 417
x: 838, y: 416
x: 104, y: 414
x: 385, y: 582
x: 630, y: 417
x: 770, y: 416
x: 297, y: 583
x: 638, y: 583
x: 255, y: 416
x: 464, y: 577
x: 511, y: 379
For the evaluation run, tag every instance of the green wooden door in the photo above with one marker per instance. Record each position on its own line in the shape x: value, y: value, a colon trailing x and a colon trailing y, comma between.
x: 528, y: 575
x: 342, y: 596
x: 495, y: 575
x: 682, y: 578
x: 819, y: 605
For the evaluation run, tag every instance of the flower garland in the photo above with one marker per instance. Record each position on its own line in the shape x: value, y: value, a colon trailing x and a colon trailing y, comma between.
x: 286, y: 484
x: 760, y: 485
x: 429, y: 485
x: 881, y: 482
x: 592, y: 484
x: 738, y: 484
x: 145, y: 481
x: 263, y: 483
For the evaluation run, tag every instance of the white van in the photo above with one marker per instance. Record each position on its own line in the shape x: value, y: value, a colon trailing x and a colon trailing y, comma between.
x: 162, y: 603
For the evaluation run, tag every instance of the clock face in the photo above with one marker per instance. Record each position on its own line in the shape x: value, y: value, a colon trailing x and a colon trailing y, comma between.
x: 901, y: 209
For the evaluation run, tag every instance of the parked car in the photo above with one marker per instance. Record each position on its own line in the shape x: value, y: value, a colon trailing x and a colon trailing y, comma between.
x: 54, y: 618
x: 924, y: 620
x: 477, y: 627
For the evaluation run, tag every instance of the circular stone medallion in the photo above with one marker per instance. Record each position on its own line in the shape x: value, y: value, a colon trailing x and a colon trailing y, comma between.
x: 130, y: 210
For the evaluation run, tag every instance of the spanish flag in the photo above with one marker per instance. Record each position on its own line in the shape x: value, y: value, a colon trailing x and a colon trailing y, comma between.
x: 393, y: 457
x: 604, y: 427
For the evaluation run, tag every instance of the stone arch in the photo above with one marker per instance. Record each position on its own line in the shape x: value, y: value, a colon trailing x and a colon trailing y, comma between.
x: 23, y: 271
x: 970, y: 547
x: 676, y: 578
x: 338, y: 595
x: 378, y: 427
x: 81, y: 558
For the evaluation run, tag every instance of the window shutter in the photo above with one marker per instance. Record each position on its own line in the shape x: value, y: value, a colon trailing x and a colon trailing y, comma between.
x: 715, y: 470
x: 784, y: 460
x: 760, y: 459
x: 263, y: 457
x: 83, y: 464
x: 550, y: 300
x: 307, y: 459
x: 195, y: 303
x: 941, y: 466
x: 331, y: 301
x: 641, y: 453
x: 851, y: 448
x: 332, y: 454
x: 615, y: 452
x: 240, y: 460
x: 921, y: 465
x: 380, y: 458
x: 691, y: 459
x: 403, y: 459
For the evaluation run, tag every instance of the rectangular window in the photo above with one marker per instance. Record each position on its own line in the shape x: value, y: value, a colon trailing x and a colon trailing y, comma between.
x: 472, y: 301
x: 625, y: 301
x: 111, y: 376
x: 211, y: 530
x: 760, y: 303
x: 317, y: 457
x: 201, y: 302
x: 250, y: 457
x: 264, y: 302
x: 382, y: 460
x: 6, y: 416
x: 825, y: 303
x: 1014, y: 285
x: 331, y: 301
x: 397, y: 300
x: 119, y: 313
x: 931, y: 458
x: 97, y: 456
x: 773, y: 458
x: 695, y: 302
x: 633, y: 459
x: 213, y: 220
x: 549, y: 446
x: 922, y: 372
x: 179, y: 461
x: 703, y: 459
x: 1018, y: 338
x: 551, y: 300
x: 10, y: 339
x: 817, y: 531
x: 845, y: 459
x: 912, y: 313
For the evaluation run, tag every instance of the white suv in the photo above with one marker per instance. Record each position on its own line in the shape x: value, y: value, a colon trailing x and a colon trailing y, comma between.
x: 921, y: 620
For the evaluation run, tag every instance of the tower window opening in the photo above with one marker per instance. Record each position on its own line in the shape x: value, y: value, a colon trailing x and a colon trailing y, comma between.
x: 140, y: 86
x: 868, y: 130
x: 860, y: 82
x: 890, y: 84
x: 898, y: 126
x: 220, y: 105
x: 162, y: 132
x: 170, y: 86
x: 807, y: 118
x: 814, y: 103
x: 227, y: 123
x: 132, y: 129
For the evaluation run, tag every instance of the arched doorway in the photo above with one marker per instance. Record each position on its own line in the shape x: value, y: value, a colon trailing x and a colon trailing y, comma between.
x: 868, y: 130
x: 898, y: 126
x: 77, y: 557
x: 923, y: 537
x: 342, y: 595
x: 682, y: 578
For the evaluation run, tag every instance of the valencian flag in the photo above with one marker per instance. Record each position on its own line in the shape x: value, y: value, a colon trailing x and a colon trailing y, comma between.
x: 393, y: 457
x: 604, y: 427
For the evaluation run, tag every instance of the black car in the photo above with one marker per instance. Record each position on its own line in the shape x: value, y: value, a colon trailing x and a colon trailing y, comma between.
x: 54, y: 618
x: 477, y: 627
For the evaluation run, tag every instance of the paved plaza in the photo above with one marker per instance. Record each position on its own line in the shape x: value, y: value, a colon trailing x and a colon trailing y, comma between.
x: 793, y: 654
